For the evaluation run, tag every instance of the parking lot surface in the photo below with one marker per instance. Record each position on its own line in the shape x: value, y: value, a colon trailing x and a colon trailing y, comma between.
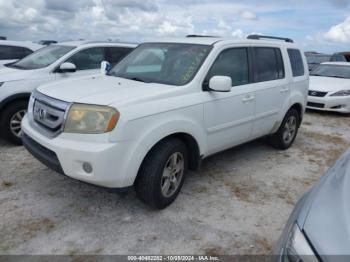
x: 237, y: 203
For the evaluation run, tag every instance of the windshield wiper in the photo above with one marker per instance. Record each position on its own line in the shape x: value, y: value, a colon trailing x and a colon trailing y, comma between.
x: 338, y: 76
x: 136, y: 78
x: 14, y: 66
x: 319, y: 75
x: 139, y: 79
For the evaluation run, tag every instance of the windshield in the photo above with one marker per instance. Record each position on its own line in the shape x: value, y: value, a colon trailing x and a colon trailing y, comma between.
x: 340, y: 58
x: 164, y: 63
x: 317, y: 59
x: 43, y: 57
x: 332, y: 71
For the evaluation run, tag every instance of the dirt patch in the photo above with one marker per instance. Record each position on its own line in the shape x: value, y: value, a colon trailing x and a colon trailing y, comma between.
x: 248, y: 192
x: 306, y: 123
x: 214, y: 251
x: 322, y: 149
x: 6, y: 183
x: 31, y: 228
x: 264, y: 245
x: 201, y: 189
x: 335, y: 139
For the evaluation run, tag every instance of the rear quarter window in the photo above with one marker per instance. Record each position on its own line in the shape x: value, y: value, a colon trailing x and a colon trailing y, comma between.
x: 296, y: 62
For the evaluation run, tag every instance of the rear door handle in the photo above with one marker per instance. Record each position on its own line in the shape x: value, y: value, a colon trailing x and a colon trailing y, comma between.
x: 248, y: 98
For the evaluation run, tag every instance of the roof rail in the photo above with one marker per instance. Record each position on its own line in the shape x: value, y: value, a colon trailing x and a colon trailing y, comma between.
x: 258, y: 37
x: 188, y: 36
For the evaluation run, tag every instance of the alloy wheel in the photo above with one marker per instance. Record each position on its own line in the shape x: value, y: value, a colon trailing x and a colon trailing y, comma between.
x: 172, y: 174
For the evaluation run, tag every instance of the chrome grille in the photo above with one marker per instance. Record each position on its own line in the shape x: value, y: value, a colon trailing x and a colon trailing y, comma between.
x: 317, y: 93
x: 47, y: 114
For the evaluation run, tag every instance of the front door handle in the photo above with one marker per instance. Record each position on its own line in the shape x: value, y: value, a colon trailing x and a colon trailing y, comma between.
x: 284, y: 90
x: 248, y: 98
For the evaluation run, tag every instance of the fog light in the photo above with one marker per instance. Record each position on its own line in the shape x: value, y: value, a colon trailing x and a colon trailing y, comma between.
x: 87, y: 167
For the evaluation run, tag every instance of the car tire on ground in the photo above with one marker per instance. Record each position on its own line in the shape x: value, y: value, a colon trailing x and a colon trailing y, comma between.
x: 287, y: 132
x: 162, y: 173
x: 10, y: 121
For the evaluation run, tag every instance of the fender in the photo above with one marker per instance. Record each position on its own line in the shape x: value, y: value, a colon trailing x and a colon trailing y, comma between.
x: 299, y: 98
x: 11, y: 98
x: 295, y: 98
x: 150, y: 137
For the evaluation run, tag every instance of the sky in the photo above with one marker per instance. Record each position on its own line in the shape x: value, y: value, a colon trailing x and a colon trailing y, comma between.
x: 318, y: 25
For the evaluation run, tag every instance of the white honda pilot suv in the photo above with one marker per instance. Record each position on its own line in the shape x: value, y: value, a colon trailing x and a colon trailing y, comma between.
x: 165, y: 107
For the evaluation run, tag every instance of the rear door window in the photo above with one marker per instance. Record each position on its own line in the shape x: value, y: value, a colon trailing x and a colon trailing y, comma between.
x: 268, y: 64
x: 296, y: 62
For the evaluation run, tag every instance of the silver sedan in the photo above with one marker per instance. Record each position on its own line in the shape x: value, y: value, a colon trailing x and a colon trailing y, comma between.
x: 319, y: 227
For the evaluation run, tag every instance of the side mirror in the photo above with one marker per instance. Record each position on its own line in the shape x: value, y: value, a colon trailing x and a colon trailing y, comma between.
x: 105, y: 67
x: 220, y: 84
x: 67, y: 67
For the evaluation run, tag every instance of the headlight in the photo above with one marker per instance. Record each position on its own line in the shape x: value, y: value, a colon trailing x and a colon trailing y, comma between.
x: 342, y: 93
x: 298, y: 248
x: 90, y: 119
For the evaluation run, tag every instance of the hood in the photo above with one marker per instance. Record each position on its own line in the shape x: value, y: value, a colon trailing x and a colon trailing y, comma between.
x: 327, y: 224
x: 103, y: 90
x: 328, y: 84
x: 11, y: 74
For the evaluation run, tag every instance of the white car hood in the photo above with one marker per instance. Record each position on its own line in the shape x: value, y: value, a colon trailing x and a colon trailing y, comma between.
x: 11, y: 74
x: 328, y: 84
x: 103, y: 90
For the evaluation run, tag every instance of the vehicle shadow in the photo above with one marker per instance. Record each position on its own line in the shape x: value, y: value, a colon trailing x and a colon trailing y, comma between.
x: 326, y: 113
x: 6, y: 144
x: 53, y: 185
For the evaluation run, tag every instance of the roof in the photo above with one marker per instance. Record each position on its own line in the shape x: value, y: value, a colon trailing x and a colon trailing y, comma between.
x: 95, y: 43
x: 318, y: 55
x: 337, y: 63
x: 342, y: 53
x: 27, y: 44
x: 218, y: 40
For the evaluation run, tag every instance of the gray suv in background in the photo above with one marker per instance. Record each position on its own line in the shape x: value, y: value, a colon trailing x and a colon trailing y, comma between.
x: 319, y: 227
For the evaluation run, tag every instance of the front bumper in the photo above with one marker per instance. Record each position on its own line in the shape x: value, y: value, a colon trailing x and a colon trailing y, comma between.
x: 44, y: 155
x: 329, y: 103
x: 68, y: 152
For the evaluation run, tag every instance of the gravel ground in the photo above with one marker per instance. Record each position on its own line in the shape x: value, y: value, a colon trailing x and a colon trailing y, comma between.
x: 237, y: 203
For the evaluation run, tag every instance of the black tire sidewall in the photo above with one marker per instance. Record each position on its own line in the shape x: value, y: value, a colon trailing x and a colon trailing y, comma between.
x: 6, y: 116
x: 151, y: 172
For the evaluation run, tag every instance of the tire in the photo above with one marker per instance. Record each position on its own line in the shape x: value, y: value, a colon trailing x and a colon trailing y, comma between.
x: 279, y: 139
x: 152, y: 180
x: 13, y: 113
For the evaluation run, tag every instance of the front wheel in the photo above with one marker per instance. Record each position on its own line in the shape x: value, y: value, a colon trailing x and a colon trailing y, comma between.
x: 11, y: 119
x: 286, y: 134
x: 162, y: 173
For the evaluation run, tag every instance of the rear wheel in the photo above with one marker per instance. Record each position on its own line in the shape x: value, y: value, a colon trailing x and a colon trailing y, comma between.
x: 286, y: 134
x: 11, y: 119
x: 162, y: 173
